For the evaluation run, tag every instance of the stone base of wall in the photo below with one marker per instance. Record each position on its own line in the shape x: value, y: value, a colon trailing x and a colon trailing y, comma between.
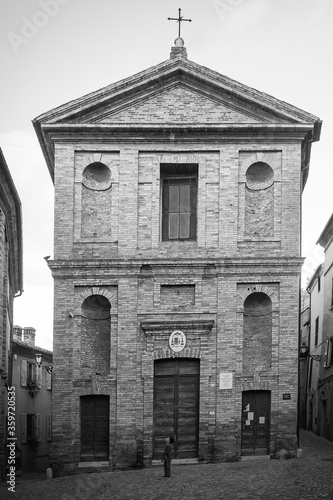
x: 286, y: 446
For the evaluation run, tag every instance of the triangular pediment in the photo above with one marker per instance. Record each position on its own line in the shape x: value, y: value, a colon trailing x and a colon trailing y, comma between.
x: 173, y: 92
x: 179, y: 94
x: 177, y: 105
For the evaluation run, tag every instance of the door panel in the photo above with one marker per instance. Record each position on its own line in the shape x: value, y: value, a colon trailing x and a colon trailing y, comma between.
x: 94, y: 428
x: 176, y: 407
x: 256, y: 422
x: 163, y: 411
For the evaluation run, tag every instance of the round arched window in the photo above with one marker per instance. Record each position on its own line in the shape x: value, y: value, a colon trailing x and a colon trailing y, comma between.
x: 259, y: 176
x: 97, y: 176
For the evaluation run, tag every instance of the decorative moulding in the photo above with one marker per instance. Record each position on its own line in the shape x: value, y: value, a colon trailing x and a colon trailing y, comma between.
x: 167, y: 327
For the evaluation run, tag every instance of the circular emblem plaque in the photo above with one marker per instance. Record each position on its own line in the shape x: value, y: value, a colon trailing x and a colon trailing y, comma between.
x: 177, y: 341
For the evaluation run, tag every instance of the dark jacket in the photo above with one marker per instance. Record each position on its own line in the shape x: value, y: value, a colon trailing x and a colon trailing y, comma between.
x: 167, y: 455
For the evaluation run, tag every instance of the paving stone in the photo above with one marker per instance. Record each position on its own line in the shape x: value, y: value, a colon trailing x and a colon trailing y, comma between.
x: 309, y: 477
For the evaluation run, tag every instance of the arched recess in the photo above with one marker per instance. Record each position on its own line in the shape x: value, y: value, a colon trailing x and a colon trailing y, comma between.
x: 259, y: 200
x: 95, y: 334
x: 257, y: 332
x: 96, y: 201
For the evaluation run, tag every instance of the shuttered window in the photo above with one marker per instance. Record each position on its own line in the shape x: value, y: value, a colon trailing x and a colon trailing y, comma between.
x: 38, y: 422
x: 328, y: 359
x: 48, y: 381
x: 316, y: 331
x: 49, y: 427
x: 23, y: 422
x: 23, y: 373
x: 179, y: 202
x: 39, y: 375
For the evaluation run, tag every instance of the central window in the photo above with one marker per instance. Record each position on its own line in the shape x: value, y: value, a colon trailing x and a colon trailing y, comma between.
x: 179, y: 201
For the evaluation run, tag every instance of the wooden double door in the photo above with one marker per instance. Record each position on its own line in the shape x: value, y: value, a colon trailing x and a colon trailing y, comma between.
x: 256, y: 422
x: 176, y: 406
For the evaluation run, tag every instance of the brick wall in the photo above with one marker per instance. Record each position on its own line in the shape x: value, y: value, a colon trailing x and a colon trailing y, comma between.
x: 3, y: 312
x: 174, y: 285
x: 257, y: 332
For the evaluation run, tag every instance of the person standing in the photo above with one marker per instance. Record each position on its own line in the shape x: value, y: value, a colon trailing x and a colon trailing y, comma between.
x: 167, y: 456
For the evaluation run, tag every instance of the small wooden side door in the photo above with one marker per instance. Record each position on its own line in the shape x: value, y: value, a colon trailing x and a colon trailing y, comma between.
x: 255, y: 422
x: 94, y: 428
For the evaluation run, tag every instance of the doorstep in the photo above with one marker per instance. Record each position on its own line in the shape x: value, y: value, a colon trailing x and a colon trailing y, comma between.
x: 94, y: 465
x: 178, y: 461
x: 255, y: 457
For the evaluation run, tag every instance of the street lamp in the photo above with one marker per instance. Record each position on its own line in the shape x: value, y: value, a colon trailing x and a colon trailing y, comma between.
x: 38, y: 359
x: 305, y: 353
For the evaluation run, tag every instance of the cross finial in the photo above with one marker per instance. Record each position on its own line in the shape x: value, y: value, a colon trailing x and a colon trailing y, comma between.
x: 179, y: 20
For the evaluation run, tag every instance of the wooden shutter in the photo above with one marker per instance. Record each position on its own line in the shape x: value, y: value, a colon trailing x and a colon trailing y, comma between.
x: 39, y: 427
x: 165, y: 211
x: 23, y: 422
x: 193, y: 200
x: 23, y: 373
x: 326, y: 353
x: 49, y: 427
x: 48, y: 381
x: 39, y: 375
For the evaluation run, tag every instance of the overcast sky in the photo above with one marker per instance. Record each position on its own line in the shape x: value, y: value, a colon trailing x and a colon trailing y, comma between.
x: 53, y: 51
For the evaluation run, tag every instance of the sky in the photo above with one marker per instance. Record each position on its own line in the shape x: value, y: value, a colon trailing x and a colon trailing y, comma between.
x: 53, y: 51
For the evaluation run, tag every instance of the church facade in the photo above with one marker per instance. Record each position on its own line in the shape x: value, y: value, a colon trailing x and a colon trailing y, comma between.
x: 176, y: 268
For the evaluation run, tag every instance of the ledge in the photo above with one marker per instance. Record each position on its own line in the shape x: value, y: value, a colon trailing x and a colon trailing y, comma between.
x: 95, y: 465
x: 178, y: 461
x: 156, y: 327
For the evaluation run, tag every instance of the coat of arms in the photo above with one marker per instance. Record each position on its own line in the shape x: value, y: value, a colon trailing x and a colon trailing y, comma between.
x: 177, y: 341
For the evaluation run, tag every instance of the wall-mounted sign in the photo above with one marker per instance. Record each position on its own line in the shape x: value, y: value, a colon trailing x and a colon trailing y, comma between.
x: 225, y: 380
x: 286, y: 396
x: 177, y: 341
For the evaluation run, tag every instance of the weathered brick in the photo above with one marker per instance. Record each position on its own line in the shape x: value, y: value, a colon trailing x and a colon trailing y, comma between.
x: 247, y: 242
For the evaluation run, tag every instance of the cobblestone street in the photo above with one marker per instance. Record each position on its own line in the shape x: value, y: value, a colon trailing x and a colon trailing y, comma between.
x: 309, y: 477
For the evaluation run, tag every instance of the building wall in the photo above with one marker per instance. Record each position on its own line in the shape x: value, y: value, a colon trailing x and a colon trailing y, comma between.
x: 33, y: 410
x: 134, y: 270
x: 325, y: 389
x: 304, y: 361
x: 10, y: 286
x: 4, y: 301
x: 316, y: 290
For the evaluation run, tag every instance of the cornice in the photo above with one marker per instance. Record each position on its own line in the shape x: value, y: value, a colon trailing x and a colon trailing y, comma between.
x: 164, y: 326
x: 242, y: 267
x: 10, y: 204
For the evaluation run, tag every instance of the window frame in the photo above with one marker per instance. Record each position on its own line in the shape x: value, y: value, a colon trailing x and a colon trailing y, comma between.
x: 328, y: 360
x: 179, y: 175
x: 316, y: 331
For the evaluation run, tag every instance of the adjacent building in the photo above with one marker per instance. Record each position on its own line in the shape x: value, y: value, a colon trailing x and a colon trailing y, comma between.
x: 176, y: 268
x: 11, y: 278
x: 33, y: 385
x: 303, y: 366
x: 312, y: 349
x: 325, y: 383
